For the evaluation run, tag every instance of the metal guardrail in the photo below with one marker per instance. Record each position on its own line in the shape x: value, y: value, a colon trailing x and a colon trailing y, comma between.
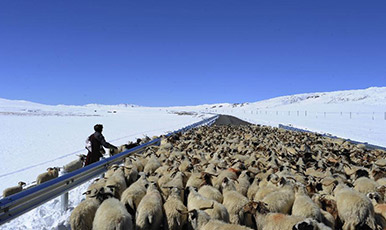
x: 369, y: 146
x: 22, y: 202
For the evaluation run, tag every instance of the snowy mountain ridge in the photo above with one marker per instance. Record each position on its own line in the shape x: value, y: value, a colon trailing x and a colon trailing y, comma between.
x: 369, y: 96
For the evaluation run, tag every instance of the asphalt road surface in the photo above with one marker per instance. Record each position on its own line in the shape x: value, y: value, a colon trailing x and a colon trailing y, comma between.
x: 230, y: 120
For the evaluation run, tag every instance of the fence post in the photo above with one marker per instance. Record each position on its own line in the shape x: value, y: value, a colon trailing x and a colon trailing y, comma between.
x: 324, y: 114
x: 64, y: 197
x: 373, y: 115
x: 385, y: 115
x: 298, y: 113
x: 305, y: 113
x: 277, y: 113
x: 350, y: 115
x: 289, y: 113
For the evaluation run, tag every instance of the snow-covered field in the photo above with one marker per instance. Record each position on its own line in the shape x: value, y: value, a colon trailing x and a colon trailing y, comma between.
x: 34, y: 136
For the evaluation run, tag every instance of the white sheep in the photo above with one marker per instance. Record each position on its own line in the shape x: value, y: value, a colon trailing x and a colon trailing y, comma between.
x: 243, y: 183
x: 197, y: 201
x: 82, y: 216
x: 354, y: 208
x: 281, y: 201
x: 133, y: 195
x: 176, y: 182
x: 365, y: 185
x: 13, y: 190
x: 174, y: 209
x: 219, y: 225
x: 311, y: 224
x: 49, y: 175
x: 211, y: 192
x: 152, y: 165
x: 252, y: 190
x: 304, y: 206
x: 111, y: 214
x: 118, y: 180
x: 271, y: 221
x: 112, y: 168
x: 131, y: 173
x: 95, y: 187
x: 75, y: 164
x: 149, y: 214
x: 234, y: 203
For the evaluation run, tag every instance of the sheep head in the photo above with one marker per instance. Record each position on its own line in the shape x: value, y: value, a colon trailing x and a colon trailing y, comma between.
x: 256, y: 207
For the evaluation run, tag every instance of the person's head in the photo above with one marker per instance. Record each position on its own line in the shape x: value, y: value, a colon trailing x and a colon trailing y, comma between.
x: 98, y: 128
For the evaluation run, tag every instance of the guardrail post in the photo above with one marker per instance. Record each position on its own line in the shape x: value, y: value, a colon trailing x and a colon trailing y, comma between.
x: 350, y: 115
x: 64, y: 197
x: 385, y: 115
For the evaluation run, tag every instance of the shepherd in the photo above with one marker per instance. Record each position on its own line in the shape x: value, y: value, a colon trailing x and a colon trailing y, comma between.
x: 95, y: 143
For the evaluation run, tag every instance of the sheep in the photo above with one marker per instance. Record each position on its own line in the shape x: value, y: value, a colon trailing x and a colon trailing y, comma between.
x: 131, y: 171
x: 252, y: 190
x: 211, y: 192
x: 271, y: 221
x: 243, y: 183
x: 219, y: 225
x: 149, y: 214
x: 133, y: 195
x: 196, y: 180
x: 111, y: 170
x: 328, y: 208
x: 118, y: 180
x: 234, y: 203
x: 365, y: 185
x: 197, y: 201
x: 49, y: 175
x: 281, y: 200
x: 266, y: 186
x: 95, y: 187
x: 379, y: 208
x: 111, y: 214
x: 174, y: 207
x: 198, y: 218
x: 176, y: 182
x: 74, y: 165
x: 13, y: 190
x: 311, y: 224
x: 82, y: 216
x: 304, y: 206
x: 152, y: 165
x: 354, y: 209
x: 230, y: 173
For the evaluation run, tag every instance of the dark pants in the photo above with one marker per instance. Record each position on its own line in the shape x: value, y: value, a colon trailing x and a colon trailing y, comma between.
x: 92, y: 158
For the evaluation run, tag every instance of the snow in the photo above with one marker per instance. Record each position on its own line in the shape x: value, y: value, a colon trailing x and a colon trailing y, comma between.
x: 34, y: 137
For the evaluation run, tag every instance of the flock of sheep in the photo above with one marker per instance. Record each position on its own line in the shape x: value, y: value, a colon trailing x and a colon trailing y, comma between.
x: 240, y: 177
x: 70, y: 167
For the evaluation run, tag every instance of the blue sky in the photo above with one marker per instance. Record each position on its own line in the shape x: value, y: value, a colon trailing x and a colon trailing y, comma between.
x: 188, y: 52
